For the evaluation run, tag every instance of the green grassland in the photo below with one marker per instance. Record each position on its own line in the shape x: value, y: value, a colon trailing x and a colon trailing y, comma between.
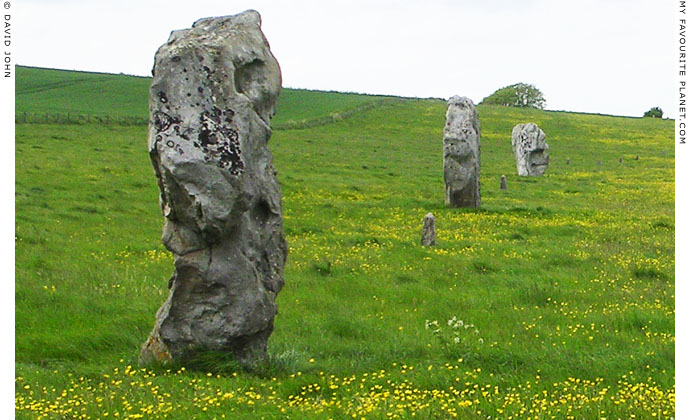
x: 554, y: 300
x: 42, y: 91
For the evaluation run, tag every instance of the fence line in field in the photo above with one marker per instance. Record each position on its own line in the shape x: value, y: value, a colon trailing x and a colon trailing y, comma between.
x: 75, y: 118
x: 334, y: 116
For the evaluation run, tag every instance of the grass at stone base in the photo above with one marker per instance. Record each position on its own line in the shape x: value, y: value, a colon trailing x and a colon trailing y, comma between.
x: 567, y: 279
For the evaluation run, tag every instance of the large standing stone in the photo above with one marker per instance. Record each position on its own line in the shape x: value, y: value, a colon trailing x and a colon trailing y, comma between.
x: 461, y: 153
x: 531, y: 150
x: 214, y: 90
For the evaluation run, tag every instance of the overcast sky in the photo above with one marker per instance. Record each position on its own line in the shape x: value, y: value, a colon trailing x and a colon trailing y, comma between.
x: 603, y: 56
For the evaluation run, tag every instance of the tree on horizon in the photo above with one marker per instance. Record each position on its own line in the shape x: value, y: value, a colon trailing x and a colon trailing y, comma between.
x: 520, y: 95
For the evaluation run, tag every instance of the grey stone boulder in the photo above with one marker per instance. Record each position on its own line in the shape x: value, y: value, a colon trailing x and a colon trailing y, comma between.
x: 461, y: 153
x: 530, y: 149
x: 429, y: 230
x: 214, y: 90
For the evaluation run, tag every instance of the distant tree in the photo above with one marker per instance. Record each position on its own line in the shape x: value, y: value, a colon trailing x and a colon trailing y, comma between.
x: 519, y: 95
x: 655, y: 112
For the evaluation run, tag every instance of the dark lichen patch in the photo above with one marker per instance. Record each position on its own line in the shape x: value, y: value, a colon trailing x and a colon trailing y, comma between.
x: 219, y: 140
x: 162, y: 97
x: 161, y: 121
x: 182, y: 134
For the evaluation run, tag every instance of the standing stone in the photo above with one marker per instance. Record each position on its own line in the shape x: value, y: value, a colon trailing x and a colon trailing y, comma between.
x: 637, y: 157
x: 620, y: 160
x: 214, y: 90
x: 504, y: 184
x: 429, y: 230
x: 461, y: 153
x: 567, y: 161
x: 531, y: 150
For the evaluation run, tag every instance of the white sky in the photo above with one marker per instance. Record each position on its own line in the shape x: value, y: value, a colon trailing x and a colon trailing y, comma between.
x: 605, y: 56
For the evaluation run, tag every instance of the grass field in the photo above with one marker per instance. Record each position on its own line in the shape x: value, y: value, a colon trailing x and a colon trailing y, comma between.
x: 554, y: 300
x: 48, y: 91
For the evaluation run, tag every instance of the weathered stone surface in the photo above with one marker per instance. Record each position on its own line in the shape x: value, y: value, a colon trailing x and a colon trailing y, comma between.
x: 214, y: 90
x: 531, y: 150
x: 461, y: 153
x: 504, y: 184
x: 429, y: 230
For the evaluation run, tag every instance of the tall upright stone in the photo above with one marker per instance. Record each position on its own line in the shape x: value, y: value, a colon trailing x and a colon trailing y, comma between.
x: 461, y: 153
x: 429, y: 230
x: 530, y: 149
x: 214, y: 90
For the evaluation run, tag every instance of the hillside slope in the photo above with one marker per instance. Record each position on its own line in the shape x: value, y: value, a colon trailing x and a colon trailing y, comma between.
x: 567, y: 280
x: 50, y: 91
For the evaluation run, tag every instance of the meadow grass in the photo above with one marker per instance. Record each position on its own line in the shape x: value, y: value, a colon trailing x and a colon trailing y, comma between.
x: 555, y: 299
